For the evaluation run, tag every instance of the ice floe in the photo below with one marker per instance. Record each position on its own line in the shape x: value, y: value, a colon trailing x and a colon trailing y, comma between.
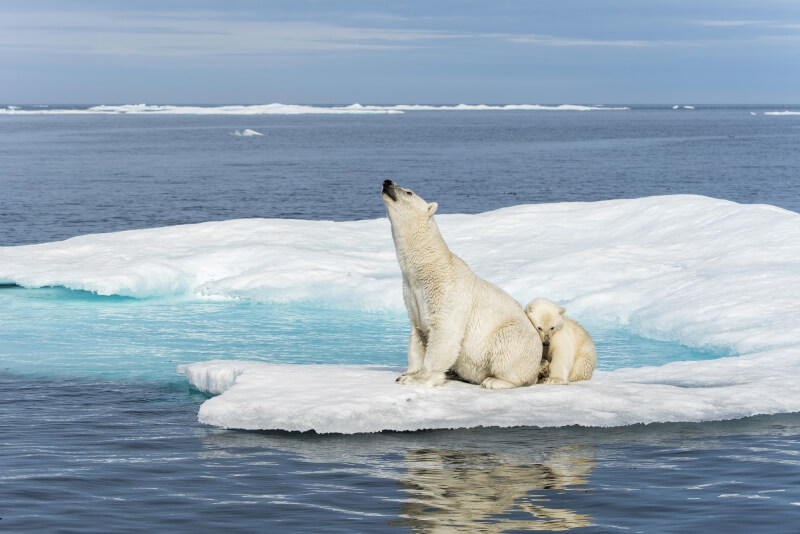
x: 686, y: 269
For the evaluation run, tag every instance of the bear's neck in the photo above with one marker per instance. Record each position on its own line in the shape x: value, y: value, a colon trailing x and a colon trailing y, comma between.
x: 424, y: 245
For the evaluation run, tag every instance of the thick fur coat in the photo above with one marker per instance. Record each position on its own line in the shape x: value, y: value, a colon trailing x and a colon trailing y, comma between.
x: 568, y: 348
x: 459, y: 322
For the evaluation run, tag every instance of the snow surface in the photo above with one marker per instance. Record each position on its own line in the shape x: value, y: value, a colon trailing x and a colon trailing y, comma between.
x: 688, y: 269
x: 290, y: 109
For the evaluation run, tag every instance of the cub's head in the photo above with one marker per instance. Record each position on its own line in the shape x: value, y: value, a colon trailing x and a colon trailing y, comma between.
x: 547, y: 317
x: 403, y: 206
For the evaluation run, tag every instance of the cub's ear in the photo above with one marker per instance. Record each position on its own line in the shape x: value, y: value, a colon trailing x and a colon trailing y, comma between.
x: 561, y: 311
x: 432, y: 208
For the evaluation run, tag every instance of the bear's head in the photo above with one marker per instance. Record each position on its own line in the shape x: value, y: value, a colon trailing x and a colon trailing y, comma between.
x: 547, y: 317
x: 403, y: 207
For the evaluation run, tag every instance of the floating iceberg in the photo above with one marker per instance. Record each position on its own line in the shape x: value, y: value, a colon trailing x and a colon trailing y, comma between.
x: 782, y: 113
x: 247, y: 133
x: 686, y: 269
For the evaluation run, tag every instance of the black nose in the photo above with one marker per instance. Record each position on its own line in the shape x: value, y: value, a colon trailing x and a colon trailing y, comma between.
x: 387, y: 183
x: 546, y: 343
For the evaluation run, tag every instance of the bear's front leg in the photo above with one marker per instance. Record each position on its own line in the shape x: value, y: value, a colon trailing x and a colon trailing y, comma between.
x: 441, y: 353
x: 562, y: 358
x: 416, y: 352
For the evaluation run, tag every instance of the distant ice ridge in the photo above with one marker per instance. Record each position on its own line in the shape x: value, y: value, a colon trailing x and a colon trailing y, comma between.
x: 782, y: 113
x: 482, y: 107
x: 688, y: 269
x: 289, y: 109
x: 247, y: 132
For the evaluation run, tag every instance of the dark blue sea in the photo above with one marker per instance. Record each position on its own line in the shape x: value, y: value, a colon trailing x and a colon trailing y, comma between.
x: 98, y: 433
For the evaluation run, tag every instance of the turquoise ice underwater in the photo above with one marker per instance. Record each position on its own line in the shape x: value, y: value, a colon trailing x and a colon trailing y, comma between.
x: 693, y: 303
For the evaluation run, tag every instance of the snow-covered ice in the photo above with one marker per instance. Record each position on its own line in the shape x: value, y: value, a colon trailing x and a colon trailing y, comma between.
x: 352, y: 399
x: 687, y: 269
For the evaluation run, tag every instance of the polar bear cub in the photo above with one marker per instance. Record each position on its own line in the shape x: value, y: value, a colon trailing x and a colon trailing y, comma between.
x: 459, y: 322
x: 567, y: 346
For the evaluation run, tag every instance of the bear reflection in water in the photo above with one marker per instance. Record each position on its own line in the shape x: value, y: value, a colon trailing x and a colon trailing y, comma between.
x: 458, y: 491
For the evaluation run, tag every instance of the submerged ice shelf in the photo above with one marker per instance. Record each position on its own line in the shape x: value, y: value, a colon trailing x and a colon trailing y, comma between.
x: 61, y: 333
x: 685, y: 269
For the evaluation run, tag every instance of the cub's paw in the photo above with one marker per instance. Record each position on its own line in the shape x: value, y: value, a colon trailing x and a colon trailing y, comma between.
x: 555, y: 380
x: 420, y: 379
x: 496, y: 383
x: 544, y: 370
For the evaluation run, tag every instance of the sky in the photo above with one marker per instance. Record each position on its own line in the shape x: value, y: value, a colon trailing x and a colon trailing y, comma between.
x: 396, y: 52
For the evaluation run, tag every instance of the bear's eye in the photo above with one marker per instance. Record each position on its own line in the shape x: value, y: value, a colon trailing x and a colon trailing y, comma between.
x: 539, y: 328
x: 409, y: 193
x: 552, y: 328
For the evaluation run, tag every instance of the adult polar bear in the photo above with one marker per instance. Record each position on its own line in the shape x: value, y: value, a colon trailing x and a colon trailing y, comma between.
x: 459, y: 321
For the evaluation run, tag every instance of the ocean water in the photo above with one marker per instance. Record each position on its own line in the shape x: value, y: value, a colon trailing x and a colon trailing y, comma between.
x: 100, y: 432
x: 67, y: 175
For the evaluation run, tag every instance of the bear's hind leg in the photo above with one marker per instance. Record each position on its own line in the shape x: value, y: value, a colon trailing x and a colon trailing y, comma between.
x: 515, y: 356
x: 585, y: 363
x: 497, y: 383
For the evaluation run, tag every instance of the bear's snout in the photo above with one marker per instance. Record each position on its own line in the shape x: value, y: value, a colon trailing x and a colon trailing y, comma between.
x: 546, y: 343
x: 388, y: 189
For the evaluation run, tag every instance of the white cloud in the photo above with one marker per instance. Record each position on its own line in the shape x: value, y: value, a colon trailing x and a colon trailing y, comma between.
x: 560, y: 41
x: 196, y: 34
x: 732, y: 23
x: 744, y: 23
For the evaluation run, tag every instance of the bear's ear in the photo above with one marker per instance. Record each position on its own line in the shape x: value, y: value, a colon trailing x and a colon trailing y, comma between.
x: 561, y: 311
x: 432, y: 208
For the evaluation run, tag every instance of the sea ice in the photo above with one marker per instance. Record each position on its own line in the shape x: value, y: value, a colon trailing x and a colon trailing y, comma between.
x: 686, y: 269
x: 351, y: 399
x: 247, y: 133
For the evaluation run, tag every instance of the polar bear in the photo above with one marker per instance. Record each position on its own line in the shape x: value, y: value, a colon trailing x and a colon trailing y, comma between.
x: 459, y: 322
x: 567, y: 346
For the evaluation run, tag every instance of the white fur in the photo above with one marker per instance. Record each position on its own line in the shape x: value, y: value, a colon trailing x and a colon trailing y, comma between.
x: 459, y: 321
x: 567, y: 346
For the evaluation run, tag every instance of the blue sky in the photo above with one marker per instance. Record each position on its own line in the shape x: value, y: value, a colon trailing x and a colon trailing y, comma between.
x: 384, y: 52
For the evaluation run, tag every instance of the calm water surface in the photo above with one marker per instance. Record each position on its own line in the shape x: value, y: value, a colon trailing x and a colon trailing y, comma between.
x: 100, y: 456
x: 69, y: 175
